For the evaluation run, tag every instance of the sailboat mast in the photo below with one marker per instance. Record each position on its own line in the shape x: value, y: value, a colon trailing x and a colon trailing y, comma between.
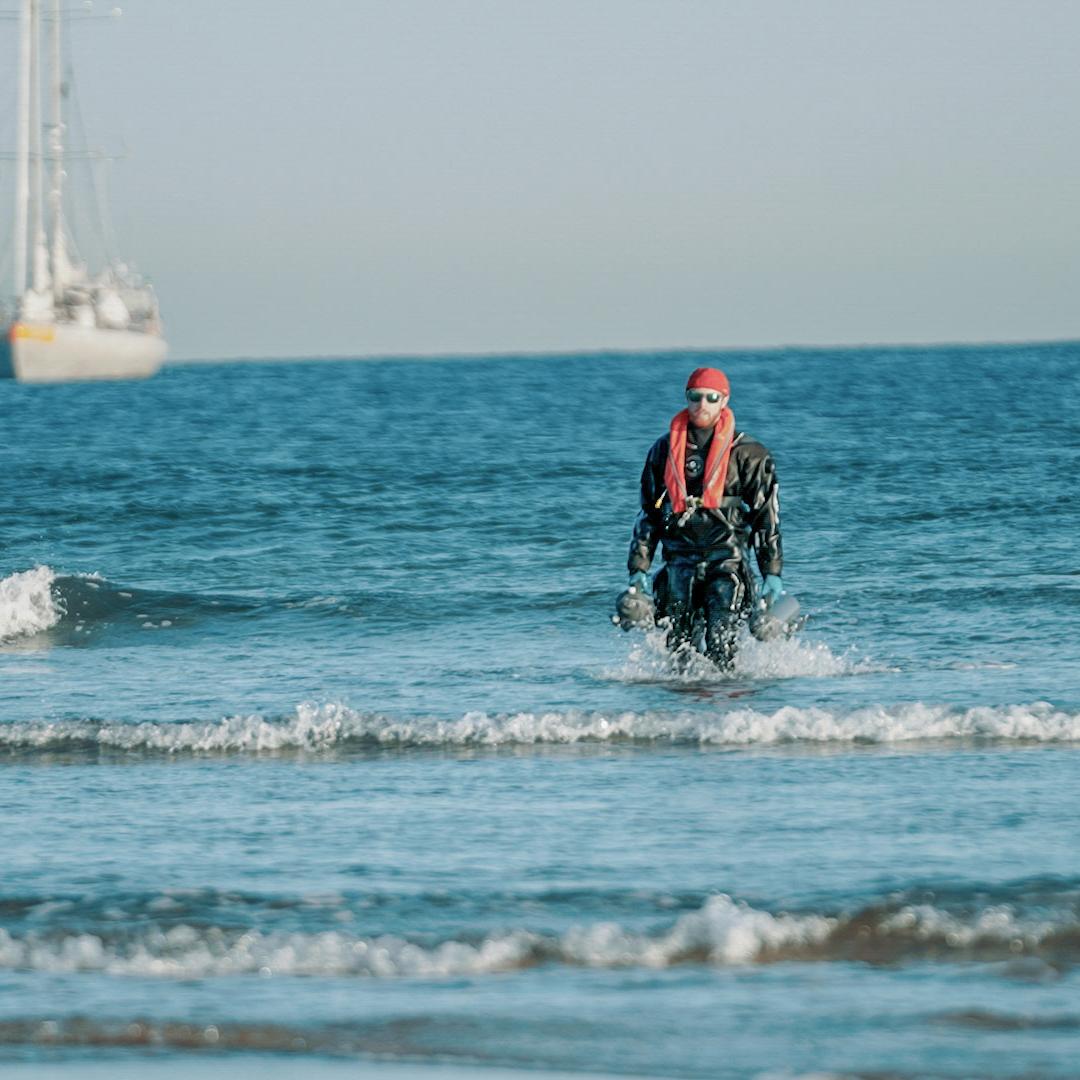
x: 56, y: 151
x: 40, y: 275
x: 22, y: 150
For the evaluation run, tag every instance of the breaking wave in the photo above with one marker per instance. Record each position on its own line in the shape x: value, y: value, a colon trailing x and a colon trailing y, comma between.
x: 721, y: 932
x: 330, y: 727
x: 76, y: 608
x: 39, y: 600
x: 27, y: 603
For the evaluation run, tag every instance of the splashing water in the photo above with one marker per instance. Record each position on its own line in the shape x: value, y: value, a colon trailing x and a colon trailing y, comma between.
x: 27, y: 604
x: 650, y: 660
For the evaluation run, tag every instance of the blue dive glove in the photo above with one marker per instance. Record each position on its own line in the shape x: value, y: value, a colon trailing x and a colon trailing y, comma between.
x: 642, y: 582
x: 771, y: 589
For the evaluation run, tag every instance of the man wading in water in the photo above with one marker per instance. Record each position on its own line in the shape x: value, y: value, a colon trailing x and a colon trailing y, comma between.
x: 708, y: 494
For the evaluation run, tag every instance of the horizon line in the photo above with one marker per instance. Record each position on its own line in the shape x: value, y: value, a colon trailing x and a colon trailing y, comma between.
x: 598, y: 351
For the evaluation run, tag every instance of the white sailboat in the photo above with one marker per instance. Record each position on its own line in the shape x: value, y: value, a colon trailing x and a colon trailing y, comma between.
x: 65, y: 323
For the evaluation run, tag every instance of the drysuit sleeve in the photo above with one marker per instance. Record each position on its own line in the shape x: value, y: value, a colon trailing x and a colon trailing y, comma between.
x: 650, y: 520
x: 761, y: 493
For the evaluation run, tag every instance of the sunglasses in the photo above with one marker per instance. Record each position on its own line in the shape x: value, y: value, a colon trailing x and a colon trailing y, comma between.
x: 711, y: 396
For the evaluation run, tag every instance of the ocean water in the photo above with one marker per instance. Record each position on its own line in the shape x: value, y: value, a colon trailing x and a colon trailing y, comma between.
x: 320, y: 753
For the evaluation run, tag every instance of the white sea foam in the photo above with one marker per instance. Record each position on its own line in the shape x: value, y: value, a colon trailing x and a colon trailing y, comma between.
x: 720, y: 932
x: 782, y: 658
x: 27, y: 603
x: 998, y: 924
x: 330, y: 726
x: 797, y: 657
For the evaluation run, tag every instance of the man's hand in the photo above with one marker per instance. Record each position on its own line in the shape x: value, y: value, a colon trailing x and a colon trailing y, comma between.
x: 634, y: 608
x: 771, y: 589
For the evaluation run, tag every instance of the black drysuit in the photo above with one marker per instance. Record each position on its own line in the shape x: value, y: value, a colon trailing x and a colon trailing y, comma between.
x: 706, y: 551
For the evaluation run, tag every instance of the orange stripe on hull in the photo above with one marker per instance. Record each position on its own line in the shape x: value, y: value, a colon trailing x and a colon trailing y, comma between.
x: 32, y: 333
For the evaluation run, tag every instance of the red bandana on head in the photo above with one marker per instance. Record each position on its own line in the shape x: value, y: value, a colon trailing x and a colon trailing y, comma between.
x: 709, y: 378
x: 716, y: 466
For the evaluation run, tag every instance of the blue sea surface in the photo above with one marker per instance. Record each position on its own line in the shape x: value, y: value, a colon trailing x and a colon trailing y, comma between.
x: 318, y: 744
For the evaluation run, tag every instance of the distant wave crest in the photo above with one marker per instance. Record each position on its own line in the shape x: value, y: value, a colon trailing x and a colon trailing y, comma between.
x: 317, y: 728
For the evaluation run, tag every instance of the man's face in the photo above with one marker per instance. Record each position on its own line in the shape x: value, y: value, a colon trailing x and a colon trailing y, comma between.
x: 705, y: 406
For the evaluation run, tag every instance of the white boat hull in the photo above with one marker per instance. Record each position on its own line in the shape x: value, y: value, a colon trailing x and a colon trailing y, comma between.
x: 61, y: 352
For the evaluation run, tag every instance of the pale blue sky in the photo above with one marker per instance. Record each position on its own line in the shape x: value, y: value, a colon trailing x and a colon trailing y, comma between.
x: 356, y: 177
